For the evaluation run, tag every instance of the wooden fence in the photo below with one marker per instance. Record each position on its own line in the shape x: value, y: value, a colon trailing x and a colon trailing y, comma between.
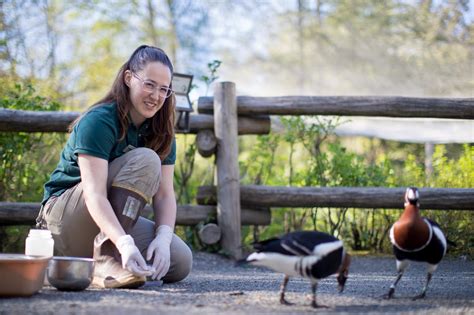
x: 21, y: 213
x: 225, y: 116
x: 368, y: 197
x: 33, y: 121
x: 343, y: 197
x: 385, y: 106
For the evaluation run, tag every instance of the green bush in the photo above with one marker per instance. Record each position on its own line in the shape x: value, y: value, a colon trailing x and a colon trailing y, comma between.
x: 26, y: 160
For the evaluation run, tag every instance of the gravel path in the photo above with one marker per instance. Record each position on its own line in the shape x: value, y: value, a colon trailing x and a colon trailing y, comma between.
x: 216, y: 285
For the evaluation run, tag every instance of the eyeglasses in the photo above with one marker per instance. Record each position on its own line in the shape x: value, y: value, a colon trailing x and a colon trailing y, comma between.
x: 151, y: 87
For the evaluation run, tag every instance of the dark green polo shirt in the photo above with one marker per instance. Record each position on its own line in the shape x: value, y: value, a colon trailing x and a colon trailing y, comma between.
x: 96, y: 134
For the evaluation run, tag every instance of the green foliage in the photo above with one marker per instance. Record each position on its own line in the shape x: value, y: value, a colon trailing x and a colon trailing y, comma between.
x: 22, y: 97
x: 263, y: 157
x: 445, y: 168
x: 312, y: 159
x: 212, y: 76
x: 184, y: 170
x: 26, y: 159
x: 23, y: 156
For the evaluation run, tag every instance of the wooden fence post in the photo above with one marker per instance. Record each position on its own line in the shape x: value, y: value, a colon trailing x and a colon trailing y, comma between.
x: 228, y: 185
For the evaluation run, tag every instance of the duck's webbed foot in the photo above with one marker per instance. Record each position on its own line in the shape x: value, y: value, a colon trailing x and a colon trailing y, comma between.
x: 282, y: 291
x: 284, y: 301
x: 422, y: 295
x: 316, y: 305
x: 389, y: 294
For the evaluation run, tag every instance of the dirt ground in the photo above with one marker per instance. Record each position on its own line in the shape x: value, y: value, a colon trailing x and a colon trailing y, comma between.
x: 216, y: 285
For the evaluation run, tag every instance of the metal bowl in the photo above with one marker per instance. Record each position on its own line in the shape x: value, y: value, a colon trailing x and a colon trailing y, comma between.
x: 70, y: 273
x: 21, y: 275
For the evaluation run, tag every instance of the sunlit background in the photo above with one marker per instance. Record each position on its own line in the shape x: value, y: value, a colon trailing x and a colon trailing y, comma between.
x: 320, y: 47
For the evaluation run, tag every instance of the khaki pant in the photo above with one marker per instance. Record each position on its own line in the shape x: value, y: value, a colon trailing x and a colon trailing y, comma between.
x: 74, y: 230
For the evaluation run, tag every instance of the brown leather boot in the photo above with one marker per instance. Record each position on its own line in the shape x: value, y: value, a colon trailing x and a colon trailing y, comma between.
x: 108, y: 271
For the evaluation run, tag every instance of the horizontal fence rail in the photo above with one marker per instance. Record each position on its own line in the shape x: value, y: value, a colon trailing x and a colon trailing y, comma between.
x: 344, y: 197
x: 49, y: 121
x: 24, y: 213
x: 386, y: 106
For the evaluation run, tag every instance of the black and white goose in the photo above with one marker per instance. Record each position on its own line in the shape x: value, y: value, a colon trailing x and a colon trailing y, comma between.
x: 415, y: 238
x: 310, y: 254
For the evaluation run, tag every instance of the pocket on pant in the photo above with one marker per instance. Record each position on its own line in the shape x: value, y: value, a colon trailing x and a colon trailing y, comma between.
x: 53, y: 216
x: 60, y: 248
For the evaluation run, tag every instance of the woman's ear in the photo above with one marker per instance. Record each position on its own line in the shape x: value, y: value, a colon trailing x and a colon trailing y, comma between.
x: 127, y: 77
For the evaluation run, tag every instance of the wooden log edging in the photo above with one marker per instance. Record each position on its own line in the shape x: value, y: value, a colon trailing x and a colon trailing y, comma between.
x: 385, y: 106
x: 49, y: 121
x: 344, y: 197
x: 206, y: 143
x: 209, y: 233
x: 24, y: 213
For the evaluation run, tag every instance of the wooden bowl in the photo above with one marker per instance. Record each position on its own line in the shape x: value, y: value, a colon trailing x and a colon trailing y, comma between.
x: 22, y: 275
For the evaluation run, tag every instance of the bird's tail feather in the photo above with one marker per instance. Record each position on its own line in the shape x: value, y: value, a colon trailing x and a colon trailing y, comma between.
x: 242, y: 262
x: 451, y: 243
x: 258, y: 246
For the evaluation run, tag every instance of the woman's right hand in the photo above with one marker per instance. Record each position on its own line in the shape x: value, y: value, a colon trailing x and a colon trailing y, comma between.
x: 132, y: 259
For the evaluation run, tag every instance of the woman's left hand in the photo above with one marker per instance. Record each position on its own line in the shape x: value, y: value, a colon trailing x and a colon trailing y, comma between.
x: 159, y: 249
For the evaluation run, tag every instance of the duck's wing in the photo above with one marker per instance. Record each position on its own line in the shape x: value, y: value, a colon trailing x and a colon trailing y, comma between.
x: 439, y: 234
x: 432, y: 222
x: 270, y: 245
x: 306, y: 243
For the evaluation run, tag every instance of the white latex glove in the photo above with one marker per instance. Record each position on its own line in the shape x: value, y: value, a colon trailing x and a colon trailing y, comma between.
x: 159, y: 249
x: 132, y: 259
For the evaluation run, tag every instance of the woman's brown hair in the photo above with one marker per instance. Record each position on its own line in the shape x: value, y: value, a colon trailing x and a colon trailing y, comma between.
x: 161, y: 134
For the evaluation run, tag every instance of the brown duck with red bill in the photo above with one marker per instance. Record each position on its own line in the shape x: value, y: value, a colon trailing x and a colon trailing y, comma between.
x: 415, y: 238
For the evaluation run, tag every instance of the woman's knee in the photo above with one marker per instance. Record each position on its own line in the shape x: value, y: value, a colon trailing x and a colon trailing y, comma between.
x: 147, y: 159
x: 139, y: 170
x: 181, y: 265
